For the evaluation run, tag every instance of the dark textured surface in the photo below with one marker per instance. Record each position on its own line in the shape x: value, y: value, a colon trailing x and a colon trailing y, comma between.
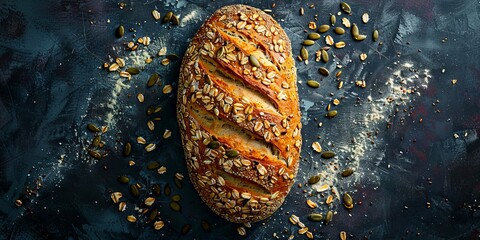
x: 52, y: 85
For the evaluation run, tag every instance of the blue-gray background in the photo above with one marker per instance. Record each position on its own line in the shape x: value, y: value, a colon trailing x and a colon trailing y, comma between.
x: 51, y: 86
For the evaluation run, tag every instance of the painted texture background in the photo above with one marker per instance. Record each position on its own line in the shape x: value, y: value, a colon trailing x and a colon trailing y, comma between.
x: 52, y: 85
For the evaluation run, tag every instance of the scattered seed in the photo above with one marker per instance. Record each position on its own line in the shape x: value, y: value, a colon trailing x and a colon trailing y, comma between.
x: 332, y: 114
x: 167, y: 190
x: 158, y: 225
x: 241, y: 231
x: 185, y: 229
x: 232, y: 153
x: 254, y: 61
x: 134, y: 190
x: 120, y: 62
x: 324, y: 55
x: 304, y: 54
x: 162, y: 170
x: 165, y: 61
x: 156, y: 189
x: 339, y: 30
x: 177, y: 183
x: 346, y: 23
x: 213, y: 144
x: 308, y: 42
x: 454, y: 81
x: 175, y: 206
x: 153, y: 165
x: 167, y: 17
x: 311, y: 204
x: 340, y: 44
x: 314, y: 36
x: 347, y: 172
x: 153, y: 214
x: 141, y: 140
x: 316, y: 146
x: 337, y: 75
x: 363, y: 56
x: 340, y: 84
x: 176, y: 198
x: 149, y: 201
x: 328, y: 154
x: 329, y: 199
x: 347, y: 201
x: 329, y: 217
x: 151, y: 125
x: 329, y: 40
x: 122, y: 206
x: 336, y: 102
x: 150, y: 147
x: 123, y: 179
x: 365, y: 18
x: 133, y: 70
x: 140, y: 98
x: 315, y: 217
x: 92, y: 128
x: 375, y: 35
x: 333, y: 19
x: 115, y: 196
x: 355, y: 31
x: 94, y: 154
x: 302, y: 11
x: 313, y: 84
x: 312, y: 25
x: 345, y: 7
x: 120, y: 31
x: 360, y: 37
x: 127, y: 148
x: 324, y: 71
x: 294, y: 219
x: 96, y: 141
x: 156, y: 14
x: 131, y: 218
x: 205, y: 225
x: 175, y: 20
x: 323, y: 28
x: 343, y: 235
x: 167, y: 89
x: 313, y: 179
x: 152, y: 80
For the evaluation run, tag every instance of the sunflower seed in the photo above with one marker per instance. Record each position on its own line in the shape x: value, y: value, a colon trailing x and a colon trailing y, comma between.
x: 323, y: 28
x: 365, y: 18
x: 94, y: 154
x: 123, y: 179
x: 120, y: 31
x: 158, y: 225
x: 315, y: 217
x: 347, y: 172
x: 304, y: 54
x: 329, y: 217
x: 324, y: 56
x: 333, y: 19
x: 134, y: 190
x: 313, y: 179
x: 92, y: 128
x: 127, y: 148
x: 332, y: 114
x: 308, y: 42
x: 254, y: 61
x: 133, y: 70
x: 314, y: 36
x: 167, y: 17
x: 149, y: 201
x: 324, y: 71
x: 152, y: 80
x: 339, y: 30
x: 328, y: 154
x: 131, y: 218
x: 345, y: 7
x: 313, y: 84
x: 156, y: 14
x: 175, y: 206
x: 375, y: 35
x: 316, y: 147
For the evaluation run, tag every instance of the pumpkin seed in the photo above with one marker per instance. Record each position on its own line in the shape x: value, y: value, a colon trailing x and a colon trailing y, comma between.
x: 314, y: 36
x: 127, y: 149
x: 205, y: 225
x: 176, y: 198
x: 175, y: 20
x: 345, y: 7
x: 375, y: 35
x: 315, y: 217
x: 175, y: 206
x: 339, y: 30
x: 153, y: 165
x: 308, y: 42
x: 324, y: 55
x: 167, y: 190
x: 324, y: 71
x: 313, y: 84
x: 123, y: 179
x: 313, y: 179
x: 133, y: 70
x: 333, y: 19
x: 173, y: 57
x: 96, y: 141
x: 120, y: 31
x: 232, y: 153
x: 304, y: 53
x: 152, y: 80
x: 93, y: 128
x: 167, y: 17
x: 332, y: 114
x: 328, y: 154
x: 94, y: 154
x: 254, y: 61
x: 360, y: 37
x: 329, y: 217
x: 347, y: 200
x: 185, y: 229
x: 213, y: 144
x: 134, y: 190
x: 153, y: 214
x: 355, y: 31
x: 156, y: 189
x: 347, y: 172
x: 323, y: 28
x: 365, y: 18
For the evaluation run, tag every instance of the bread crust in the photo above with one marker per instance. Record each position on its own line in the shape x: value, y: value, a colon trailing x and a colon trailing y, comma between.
x: 239, y: 115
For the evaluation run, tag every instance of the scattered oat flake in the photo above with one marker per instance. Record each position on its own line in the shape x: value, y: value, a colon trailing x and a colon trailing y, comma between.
x: 158, y: 225
x: 316, y: 146
x: 167, y: 134
x: 365, y: 18
x: 241, y: 231
x: 454, y: 81
x: 363, y: 56
x: 312, y: 25
x: 162, y: 51
x: 140, y: 97
x: 455, y: 136
x: 322, y: 188
x: 162, y: 170
x: 131, y: 218
x: 167, y: 89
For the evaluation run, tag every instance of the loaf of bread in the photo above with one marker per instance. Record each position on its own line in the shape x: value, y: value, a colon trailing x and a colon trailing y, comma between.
x: 239, y: 115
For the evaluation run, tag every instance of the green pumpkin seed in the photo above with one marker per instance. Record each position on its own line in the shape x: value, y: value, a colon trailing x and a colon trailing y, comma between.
x: 355, y: 31
x: 315, y: 217
x: 304, y: 53
x: 175, y: 206
x: 175, y: 20
x: 153, y: 214
x: 93, y: 128
x: 329, y: 217
x: 96, y: 141
x: 186, y: 229
x: 232, y: 153
x: 347, y: 200
x: 347, y: 172
x: 153, y: 165
x: 332, y: 114
x: 254, y: 61
x: 328, y: 154
x: 333, y: 19
x: 213, y: 144
x: 120, y: 31
x: 152, y: 80
x: 167, y: 190
x: 167, y: 17
x: 324, y: 56
x: 313, y: 84
x: 314, y: 36
x: 345, y: 7
x: 339, y: 30
x: 94, y: 154
x: 176, y: 198
x: 134, y: 190
x: 123, y: 179
x: 313, y: 179
x: 324, y: 71
x: 127, y: 149
x: 156, y: 189
x: 308, y: 42
x: 133, y: 70
x: 173, y: 57
x: 375, y: 35
x: 360, y: 37
x: 323, y: 28
x: 205, y: 225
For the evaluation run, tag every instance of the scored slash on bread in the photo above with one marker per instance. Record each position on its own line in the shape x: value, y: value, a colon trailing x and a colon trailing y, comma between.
x: 239, y: 115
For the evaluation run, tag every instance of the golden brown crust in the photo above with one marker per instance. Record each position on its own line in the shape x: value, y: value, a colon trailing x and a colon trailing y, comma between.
x: 239, y: 115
